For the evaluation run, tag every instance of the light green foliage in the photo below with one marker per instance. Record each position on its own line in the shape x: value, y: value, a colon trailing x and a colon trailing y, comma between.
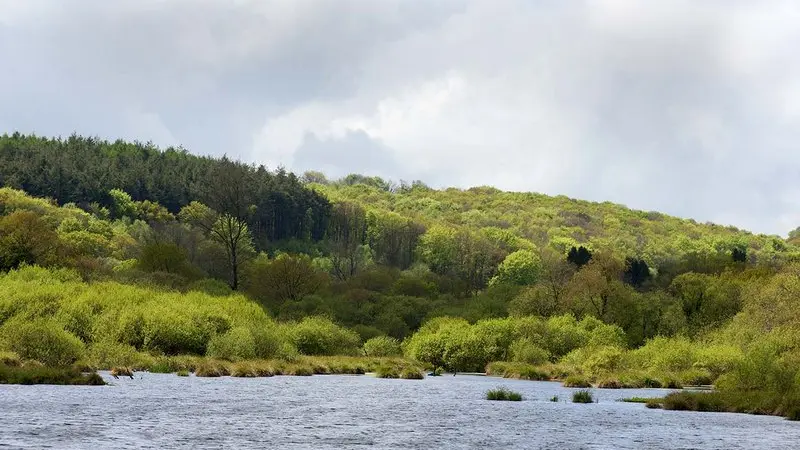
x: 320, y: 336
x: 595, y: 361
x: 234, y: 345
x: 525, y: 350
x: 382, y: 346
x: 41, y: 340
x: 521, y: 268
x: 664, y: 355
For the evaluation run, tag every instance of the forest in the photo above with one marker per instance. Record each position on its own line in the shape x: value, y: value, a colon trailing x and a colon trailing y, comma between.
x: 124, y: 254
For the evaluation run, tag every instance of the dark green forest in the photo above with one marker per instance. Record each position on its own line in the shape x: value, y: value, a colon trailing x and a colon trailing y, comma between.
x: 117, y: 253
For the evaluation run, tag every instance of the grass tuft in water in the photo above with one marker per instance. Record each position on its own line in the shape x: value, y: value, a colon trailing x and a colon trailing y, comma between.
x: 582, y: 396
x: 554, y: 399
x: 182, y: 373
x: 503, y: 394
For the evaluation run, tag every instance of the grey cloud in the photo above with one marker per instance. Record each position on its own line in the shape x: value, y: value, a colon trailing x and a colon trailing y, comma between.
x: 684, y: 107
x: 355, y: 152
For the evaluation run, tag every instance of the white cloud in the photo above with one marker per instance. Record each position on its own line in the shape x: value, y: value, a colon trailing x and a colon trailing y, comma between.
x: 682, y: 106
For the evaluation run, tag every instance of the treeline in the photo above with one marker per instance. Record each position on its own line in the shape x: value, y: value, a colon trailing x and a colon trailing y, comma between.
x: 378, y: 257
x: 84, y: 171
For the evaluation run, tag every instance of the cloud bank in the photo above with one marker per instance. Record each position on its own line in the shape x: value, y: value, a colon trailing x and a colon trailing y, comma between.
x: 691, y: 108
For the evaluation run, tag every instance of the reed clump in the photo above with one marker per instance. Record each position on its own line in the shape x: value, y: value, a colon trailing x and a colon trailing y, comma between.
x: 503, y: 394
x: 582, y: 396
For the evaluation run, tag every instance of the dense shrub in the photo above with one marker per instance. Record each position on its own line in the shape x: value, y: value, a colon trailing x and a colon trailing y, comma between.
x: 524, y: 350
x: 382, y: 346
x: 237, y: 344
x: 320, y: 336
x: 42, y: 340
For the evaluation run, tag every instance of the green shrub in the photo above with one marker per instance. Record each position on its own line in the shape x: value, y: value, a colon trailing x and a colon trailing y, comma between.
x: 267, y: 341
x: 410, y: 373
x: 105, y: 355
x: 524, y: 350
x: 386, y: 371
x: 10, y: 359
x: 577, y: 381
x: 503, y: 394
x: 582, y: 396
x: 609, y: 383
x: 235, y: 345
x: 44, y: 341
x: 694, y: 401
x: 382, y: 346
x: 174, y: 332
x: 320, y: 336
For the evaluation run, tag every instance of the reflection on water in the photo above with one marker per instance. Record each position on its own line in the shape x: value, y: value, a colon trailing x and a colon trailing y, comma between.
x: 167, y: 411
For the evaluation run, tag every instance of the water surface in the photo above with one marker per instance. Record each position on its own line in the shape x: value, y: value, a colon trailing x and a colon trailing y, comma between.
x: 333, y: 412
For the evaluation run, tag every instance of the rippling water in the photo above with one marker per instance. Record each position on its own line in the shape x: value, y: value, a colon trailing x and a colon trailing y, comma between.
x: 167, y: 411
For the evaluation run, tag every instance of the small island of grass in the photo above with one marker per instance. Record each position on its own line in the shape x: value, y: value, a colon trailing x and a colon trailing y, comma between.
x: 503, y: 394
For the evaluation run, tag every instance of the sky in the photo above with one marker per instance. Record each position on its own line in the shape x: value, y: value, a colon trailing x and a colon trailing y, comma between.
x: 687, y: 107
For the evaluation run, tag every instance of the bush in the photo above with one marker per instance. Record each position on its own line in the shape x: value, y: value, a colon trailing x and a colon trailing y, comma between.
x: 577, y: 381
x: 410, y: 373
x: 503, y: 394
x: 582, y: 396
x: 382, y: 346
x: 172, y: 332
x: 44, y: 341
x: 235, y: 345
x: 105, y: 355
x: 524, y: 350
x: 10, y: 359
x: 320, y: 336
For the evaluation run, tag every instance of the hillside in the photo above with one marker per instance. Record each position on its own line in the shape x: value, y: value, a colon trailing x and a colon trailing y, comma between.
x: 145, y: 254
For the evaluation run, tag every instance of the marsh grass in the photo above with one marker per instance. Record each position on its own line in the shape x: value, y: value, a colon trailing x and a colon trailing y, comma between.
x: 36, y: 374
x: 503, y: 394
x: 182, y: 373
x: 636, y: 399
x: 410, y: 373
x: 516, y: 370
x: 577, y: 381
x: 582, y: 396
x: 610, y: 383
x: 554, y: 399
x: 10, y: 359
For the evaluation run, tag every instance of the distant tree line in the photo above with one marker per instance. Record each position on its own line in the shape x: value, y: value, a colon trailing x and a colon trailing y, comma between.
x: 84, y: 171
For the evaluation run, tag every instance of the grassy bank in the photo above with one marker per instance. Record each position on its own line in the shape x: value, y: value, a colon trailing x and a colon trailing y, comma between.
x: 298, y: 366
x: 35, y: 374
x: 749, y: 403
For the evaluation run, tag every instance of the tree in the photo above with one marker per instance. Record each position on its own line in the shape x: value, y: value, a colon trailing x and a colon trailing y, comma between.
x: 636, y: 272
x: 346, y: 237
x: 392, y: 238
x: 579, y: 256
x: 229, y: 230
x: 285, y: 278
x: 596, y: 288
x: 521, y: 268
x: 26, y: 238
x: 739, y: 254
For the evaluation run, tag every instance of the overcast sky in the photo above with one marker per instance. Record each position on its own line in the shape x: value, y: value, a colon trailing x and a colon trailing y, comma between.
x: 683, y: 106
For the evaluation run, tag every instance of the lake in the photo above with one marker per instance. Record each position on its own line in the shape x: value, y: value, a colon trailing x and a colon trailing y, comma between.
x: 333, y: 412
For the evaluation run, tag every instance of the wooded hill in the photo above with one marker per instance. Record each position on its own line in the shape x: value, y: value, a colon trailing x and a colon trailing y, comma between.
x: 371, y: 254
